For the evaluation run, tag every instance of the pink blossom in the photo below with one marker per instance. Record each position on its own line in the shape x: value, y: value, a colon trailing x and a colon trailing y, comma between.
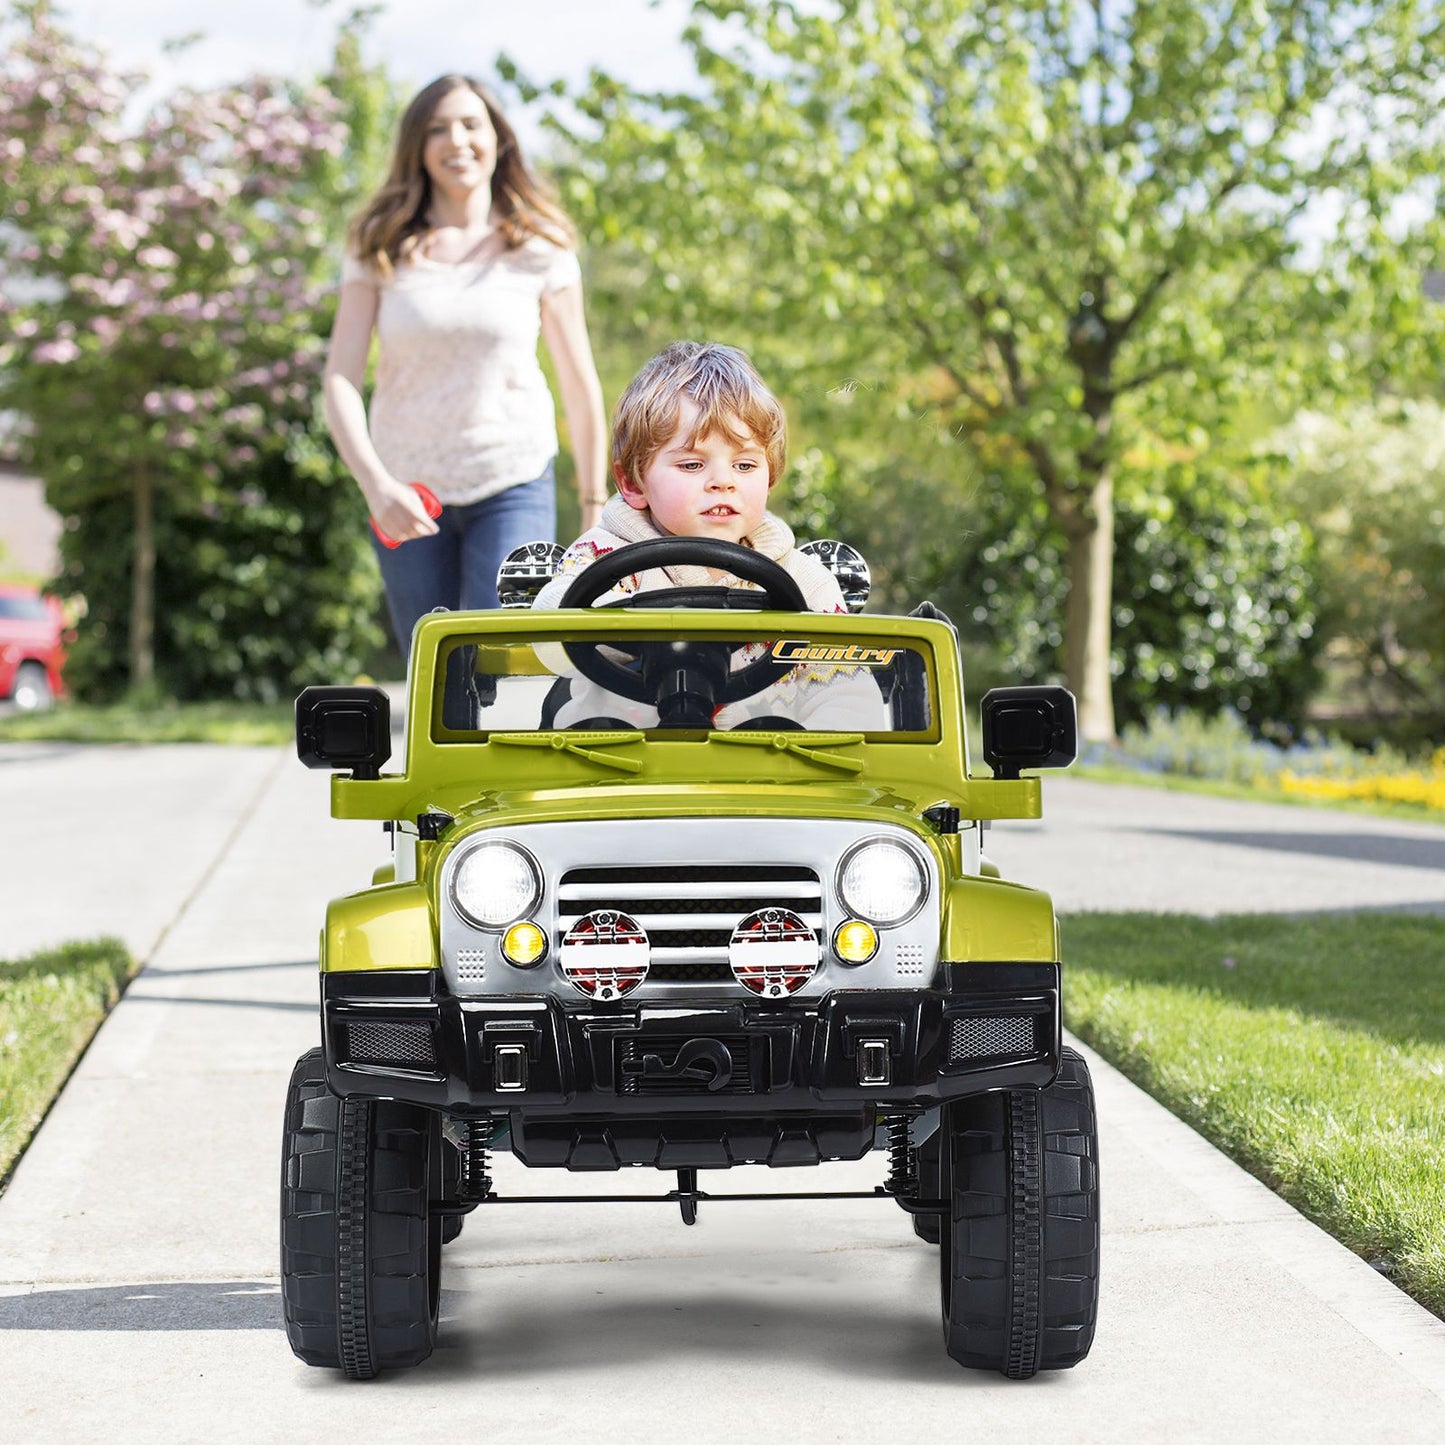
x: 58, y: 352
x: 157, y: 257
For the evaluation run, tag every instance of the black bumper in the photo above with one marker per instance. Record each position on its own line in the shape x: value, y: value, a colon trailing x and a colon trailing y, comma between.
x: 402, y: 1035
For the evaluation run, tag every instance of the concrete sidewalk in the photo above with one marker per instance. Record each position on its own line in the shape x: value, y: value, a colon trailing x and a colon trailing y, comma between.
x: 138, y: 1238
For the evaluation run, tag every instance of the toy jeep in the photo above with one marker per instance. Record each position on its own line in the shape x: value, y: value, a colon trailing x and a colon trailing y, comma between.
x: 688, y: 932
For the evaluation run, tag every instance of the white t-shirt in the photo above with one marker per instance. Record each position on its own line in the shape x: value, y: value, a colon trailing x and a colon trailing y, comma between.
x: 460, y: 401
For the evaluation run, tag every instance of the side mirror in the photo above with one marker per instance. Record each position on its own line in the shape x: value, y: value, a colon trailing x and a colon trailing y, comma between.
x: 525, y: 571
x: 1029, y: 727
x: 344, y: 727
x: 848, y: 566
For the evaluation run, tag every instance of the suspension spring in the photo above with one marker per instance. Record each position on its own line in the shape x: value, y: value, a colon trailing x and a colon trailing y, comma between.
x: 902, y: 1175
x: 477, y: 1176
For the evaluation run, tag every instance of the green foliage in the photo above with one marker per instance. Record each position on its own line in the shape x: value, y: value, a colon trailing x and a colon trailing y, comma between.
x: 1373, y: 484
x: 1312, y: 1050
x: 50, y: 1005
x: 237, y: 724
x: 164, y: 351
x: 1062, y: 231
x: 1213, y: 600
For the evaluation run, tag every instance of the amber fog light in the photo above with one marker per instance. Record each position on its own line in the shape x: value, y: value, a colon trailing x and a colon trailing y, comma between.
x: 605, y: 954
x: 855, y: 942
x: 524, y: 944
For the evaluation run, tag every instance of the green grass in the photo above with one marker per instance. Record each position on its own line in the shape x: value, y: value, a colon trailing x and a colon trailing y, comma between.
x: 1311, y: 1050
x: 51, y: 1003
x: 171, y: 722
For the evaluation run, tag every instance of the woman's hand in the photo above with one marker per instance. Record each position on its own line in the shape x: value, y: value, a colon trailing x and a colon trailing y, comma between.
x: 591, y: 515
x: 399, y: 512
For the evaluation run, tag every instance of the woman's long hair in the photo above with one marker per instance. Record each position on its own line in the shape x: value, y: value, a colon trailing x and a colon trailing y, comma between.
x: 392, y: 224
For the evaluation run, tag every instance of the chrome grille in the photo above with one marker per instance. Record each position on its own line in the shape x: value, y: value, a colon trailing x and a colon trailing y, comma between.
x: 689, y: 911
x: 980, y: 1038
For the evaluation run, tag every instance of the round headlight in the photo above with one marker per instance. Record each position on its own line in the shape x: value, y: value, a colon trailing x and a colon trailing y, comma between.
x: 882, y: 881
x: 494, y: 884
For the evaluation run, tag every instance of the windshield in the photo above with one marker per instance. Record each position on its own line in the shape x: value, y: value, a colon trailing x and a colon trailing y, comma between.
x: 682, y: 684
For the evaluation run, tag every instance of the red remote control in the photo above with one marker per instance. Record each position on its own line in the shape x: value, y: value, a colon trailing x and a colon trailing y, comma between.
x: 428, y: 500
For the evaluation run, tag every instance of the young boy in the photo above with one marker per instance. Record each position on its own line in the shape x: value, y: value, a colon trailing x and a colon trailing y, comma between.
x: 698, y: 443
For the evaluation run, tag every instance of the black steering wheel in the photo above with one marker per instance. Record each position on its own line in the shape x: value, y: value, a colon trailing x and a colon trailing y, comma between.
x: 685, y: 681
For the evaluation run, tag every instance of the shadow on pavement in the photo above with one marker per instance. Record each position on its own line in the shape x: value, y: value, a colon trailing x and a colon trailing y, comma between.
x: 133, y: 997
x: 814, y: 1331
x: 224, y: 1305
x: 1397, y: 850
x: 152, y: 972
x: 523, y: 1336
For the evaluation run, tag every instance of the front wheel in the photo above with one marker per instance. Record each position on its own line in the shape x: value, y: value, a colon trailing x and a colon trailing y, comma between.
x: 32, y: 692
x: 360, y: 1249
x: 1019, y: 1246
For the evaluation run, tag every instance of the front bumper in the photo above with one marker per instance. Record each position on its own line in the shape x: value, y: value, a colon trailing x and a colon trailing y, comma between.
x: 401, y: 1035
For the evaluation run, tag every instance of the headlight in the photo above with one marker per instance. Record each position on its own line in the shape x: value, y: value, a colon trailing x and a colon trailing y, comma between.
x: 494, y: 884
x: 882, y: 881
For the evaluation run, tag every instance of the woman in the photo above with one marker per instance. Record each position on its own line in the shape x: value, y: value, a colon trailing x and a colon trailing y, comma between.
x: 458, y: 263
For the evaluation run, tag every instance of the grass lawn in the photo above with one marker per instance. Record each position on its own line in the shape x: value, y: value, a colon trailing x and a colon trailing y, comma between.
x: 171, y: 722
x: 1311, y: 1050
x: 51, y: 1003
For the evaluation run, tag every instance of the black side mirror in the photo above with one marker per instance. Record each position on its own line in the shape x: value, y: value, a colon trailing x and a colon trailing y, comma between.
x: 344, y: 727
x: 1029, y: 727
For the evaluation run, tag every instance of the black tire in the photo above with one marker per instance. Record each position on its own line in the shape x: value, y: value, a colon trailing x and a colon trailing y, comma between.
x: 360, y: 1251
x: 1019, y: 1256
x: 925, y: 1161
x: 451, y: 1174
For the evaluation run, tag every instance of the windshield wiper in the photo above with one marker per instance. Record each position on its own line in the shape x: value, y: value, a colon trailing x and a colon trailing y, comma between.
x: 567, y: 743
x: 804, y: 745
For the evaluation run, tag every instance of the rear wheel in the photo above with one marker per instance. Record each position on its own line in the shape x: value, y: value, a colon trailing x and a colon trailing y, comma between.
x: 1019, y: 1256
x: 360, y: 1250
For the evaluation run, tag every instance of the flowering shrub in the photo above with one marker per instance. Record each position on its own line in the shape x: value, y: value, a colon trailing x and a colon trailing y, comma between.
x: 1386, y: 782
x: 1222, y: 748
x: 163, y: 330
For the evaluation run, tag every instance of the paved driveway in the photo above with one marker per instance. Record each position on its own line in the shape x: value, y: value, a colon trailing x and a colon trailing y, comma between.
x: 138, y: 1295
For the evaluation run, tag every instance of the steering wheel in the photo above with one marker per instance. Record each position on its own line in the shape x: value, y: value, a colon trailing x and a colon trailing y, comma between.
x: 686, y: 681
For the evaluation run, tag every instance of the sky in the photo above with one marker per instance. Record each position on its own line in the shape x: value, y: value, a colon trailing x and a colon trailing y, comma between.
x: 637, y: 40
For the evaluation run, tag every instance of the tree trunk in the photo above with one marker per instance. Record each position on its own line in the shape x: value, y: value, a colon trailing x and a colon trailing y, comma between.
x: 143, y: 586
x: 1088, y: 612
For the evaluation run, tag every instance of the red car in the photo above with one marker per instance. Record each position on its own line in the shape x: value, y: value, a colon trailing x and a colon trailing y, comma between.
x: 32, y: 648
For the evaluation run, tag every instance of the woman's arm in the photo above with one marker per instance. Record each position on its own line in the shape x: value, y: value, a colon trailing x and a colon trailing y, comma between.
x: 564, y: 328
x: 395, y: 506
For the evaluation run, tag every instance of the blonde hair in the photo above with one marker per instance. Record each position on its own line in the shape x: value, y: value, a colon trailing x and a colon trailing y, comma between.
x: 393, y: 222
x: 724, y: 386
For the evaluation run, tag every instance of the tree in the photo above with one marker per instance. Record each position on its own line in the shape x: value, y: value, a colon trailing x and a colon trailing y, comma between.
x: 1373, y: 481
x: 164, y: 351
x: 1072, y: 231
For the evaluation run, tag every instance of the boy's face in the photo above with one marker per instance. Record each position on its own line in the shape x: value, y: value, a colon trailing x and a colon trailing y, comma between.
x: 717, y: 487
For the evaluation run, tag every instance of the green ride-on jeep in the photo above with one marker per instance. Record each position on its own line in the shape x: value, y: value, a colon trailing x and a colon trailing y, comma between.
x: 688, y: 883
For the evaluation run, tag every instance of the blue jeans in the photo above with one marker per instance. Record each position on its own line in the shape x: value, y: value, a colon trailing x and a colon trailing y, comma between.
x: 458, y: 567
